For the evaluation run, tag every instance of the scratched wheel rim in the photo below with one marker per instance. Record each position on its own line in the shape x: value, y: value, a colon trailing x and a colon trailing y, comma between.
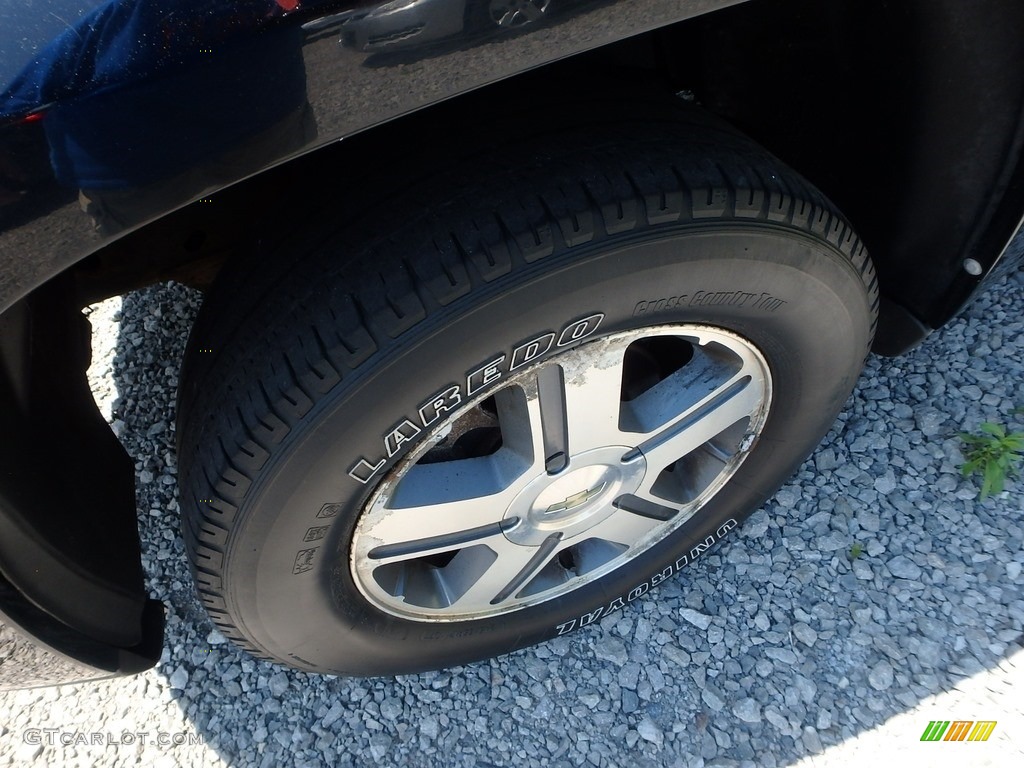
x: 566, y: 472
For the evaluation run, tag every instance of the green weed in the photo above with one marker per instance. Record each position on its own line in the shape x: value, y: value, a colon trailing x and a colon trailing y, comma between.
x: 993, y: 453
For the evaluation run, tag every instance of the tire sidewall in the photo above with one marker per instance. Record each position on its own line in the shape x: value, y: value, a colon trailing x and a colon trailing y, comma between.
x: 287, y: 577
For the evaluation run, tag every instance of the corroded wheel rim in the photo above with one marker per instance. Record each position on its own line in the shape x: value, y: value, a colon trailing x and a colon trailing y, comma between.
x: 572, y: 469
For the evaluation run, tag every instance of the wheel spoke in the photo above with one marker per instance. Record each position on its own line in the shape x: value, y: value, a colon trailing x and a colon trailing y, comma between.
x: 549, y: 418
x: 522, y: 426
x: 624, y: 527
x: 432, y: 545
x: 513, y: 568
x: 734, y: 400
x: 593, y: 393
x: 532, y: 11
x: 421, y: 529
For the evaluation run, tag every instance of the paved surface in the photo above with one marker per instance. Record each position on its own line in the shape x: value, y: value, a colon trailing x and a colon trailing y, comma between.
x: 780, y: 647
x: 995, y: 694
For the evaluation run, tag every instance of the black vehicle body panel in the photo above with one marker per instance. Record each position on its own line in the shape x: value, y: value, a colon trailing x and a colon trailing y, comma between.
x: 139, y: 138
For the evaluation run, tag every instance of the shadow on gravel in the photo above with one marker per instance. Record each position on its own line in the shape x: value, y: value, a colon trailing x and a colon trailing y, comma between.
x: 779, y: 643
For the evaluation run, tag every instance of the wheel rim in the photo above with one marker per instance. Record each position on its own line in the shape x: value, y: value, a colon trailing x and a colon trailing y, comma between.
x: 571, y: 470
x: 517, y: 13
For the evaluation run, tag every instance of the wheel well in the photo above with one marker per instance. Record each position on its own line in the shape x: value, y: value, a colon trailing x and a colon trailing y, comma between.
x: 907, y: 115
x: 70, y: 568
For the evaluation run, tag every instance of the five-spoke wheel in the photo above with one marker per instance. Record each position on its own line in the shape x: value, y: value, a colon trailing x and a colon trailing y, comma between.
x: 576, y: 466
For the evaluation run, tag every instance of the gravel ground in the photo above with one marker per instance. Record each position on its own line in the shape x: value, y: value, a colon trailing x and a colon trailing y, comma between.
x: 776, y: 648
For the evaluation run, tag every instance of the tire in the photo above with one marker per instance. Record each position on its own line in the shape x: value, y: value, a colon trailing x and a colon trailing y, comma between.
x: 439, y: 352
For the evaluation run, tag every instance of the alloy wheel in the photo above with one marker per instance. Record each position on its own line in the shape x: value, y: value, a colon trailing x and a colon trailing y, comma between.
x: 575, y: 467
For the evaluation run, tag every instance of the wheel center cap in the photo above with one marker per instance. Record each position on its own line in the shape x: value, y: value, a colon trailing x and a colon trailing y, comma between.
x: 576, y: 499
x: 561, y: 509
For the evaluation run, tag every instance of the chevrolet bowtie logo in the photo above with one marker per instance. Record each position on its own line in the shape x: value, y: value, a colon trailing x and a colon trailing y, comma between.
x: 575, y: 500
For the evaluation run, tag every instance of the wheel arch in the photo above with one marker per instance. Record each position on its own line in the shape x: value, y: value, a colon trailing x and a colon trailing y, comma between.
x: 888, y: 109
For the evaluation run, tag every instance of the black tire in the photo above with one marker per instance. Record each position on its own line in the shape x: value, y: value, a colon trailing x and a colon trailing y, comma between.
x: 646, y: 225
